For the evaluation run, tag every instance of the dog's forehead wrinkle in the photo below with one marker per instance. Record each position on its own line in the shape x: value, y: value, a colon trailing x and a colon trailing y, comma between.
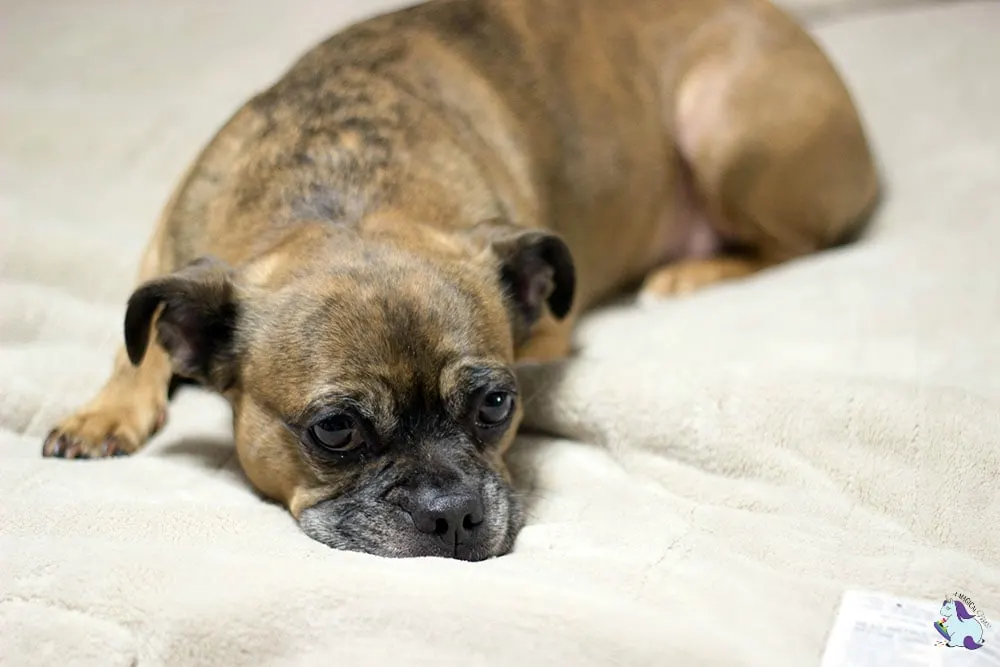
x: 405, y: 313
x: 375, y: 401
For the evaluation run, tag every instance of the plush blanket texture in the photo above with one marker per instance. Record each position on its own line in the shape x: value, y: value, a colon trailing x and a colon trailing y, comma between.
x: 715, y: 472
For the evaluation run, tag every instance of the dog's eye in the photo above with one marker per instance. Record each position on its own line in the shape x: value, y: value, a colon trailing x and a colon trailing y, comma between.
x: 338, y: 434
x: 495, y: 408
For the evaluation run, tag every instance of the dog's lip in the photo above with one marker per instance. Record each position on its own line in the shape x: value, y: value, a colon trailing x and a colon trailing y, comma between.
x: 468, y: 549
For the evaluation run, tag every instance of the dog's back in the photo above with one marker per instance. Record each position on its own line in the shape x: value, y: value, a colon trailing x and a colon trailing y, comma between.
x: 547, y: 113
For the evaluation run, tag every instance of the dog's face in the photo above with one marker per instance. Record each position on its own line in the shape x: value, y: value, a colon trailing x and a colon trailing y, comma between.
x: 376, y: 396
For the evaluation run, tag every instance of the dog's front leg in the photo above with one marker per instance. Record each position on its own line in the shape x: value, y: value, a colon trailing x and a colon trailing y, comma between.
x: 119, y: 420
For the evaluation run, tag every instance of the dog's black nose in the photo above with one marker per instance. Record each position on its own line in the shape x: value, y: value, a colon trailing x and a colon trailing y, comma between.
x: 454, y: 517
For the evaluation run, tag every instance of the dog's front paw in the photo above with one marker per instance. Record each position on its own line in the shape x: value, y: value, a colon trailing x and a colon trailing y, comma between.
x: 99, y: 432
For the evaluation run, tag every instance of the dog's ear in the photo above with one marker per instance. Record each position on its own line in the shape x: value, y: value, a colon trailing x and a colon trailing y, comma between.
x: 196, y: 310
x: 536, y: 270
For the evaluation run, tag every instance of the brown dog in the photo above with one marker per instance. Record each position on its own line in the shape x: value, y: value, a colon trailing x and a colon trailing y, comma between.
x: 362, y: 253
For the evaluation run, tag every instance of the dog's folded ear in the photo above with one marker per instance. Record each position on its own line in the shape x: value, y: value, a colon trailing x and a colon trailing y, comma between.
x: 195, y: 310
x: 536, y: 270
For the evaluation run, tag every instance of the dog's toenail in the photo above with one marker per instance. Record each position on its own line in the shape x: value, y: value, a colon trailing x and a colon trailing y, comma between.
x: 75, y: 449
x: 49, y: 446
x: 60, y: 447
x: 115, y: 447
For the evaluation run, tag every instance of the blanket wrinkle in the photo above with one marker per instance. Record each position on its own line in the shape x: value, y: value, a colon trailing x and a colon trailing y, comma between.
x: 669, y: 548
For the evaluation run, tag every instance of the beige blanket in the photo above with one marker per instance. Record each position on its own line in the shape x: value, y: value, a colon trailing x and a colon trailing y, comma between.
x: 717, y: 470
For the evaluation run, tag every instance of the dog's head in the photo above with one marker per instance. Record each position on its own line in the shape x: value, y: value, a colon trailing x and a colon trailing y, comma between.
x: 371, y: 380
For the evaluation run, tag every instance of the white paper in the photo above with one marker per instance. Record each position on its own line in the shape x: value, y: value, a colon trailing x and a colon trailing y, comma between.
x: 878, y: 630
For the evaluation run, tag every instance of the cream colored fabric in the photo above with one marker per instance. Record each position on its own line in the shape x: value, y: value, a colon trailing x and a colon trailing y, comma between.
x: 717, y: 470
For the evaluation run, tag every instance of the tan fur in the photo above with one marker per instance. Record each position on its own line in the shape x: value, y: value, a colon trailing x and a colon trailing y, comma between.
x: 687, y: 276
x: 407, y: 134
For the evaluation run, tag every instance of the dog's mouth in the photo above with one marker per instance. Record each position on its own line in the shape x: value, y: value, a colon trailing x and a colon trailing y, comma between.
x: 471, y: 526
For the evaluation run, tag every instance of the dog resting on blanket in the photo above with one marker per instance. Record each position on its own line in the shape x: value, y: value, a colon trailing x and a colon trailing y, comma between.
x: 362, y: 253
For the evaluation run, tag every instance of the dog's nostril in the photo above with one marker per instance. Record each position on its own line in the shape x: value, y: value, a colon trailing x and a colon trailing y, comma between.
x: 451, y: 518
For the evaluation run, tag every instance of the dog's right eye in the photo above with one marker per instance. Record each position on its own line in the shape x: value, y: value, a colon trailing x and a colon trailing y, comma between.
x: 338, y: 433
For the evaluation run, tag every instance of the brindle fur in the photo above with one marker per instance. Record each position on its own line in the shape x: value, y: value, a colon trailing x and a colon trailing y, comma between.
x: 345, y: 236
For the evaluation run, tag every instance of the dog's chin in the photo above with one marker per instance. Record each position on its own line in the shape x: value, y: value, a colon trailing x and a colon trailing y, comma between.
x: 356, y: 522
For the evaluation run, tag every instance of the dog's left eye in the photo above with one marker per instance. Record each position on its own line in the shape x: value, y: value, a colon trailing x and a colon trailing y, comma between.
x: 338, y: 433
x: 494, y: 408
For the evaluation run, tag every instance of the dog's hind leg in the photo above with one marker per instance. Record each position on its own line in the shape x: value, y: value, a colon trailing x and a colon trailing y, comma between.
x: 689, y: 275
x: 778, y: 160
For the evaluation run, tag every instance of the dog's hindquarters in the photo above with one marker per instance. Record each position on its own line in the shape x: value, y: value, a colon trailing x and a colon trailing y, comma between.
x: 777, y: 154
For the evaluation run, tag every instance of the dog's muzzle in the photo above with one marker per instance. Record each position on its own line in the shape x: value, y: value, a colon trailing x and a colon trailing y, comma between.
x: 465, y: 522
